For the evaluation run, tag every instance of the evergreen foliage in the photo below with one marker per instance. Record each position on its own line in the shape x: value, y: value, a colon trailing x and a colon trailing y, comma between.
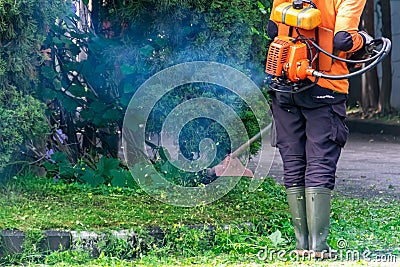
x: 87, y: 75
x: 23, y: 27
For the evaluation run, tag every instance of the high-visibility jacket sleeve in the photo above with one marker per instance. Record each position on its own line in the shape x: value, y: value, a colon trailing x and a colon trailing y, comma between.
x: 346, y: 26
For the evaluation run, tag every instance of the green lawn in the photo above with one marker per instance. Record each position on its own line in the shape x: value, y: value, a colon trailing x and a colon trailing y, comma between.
x: 38, y: 203
x: 33, y: 204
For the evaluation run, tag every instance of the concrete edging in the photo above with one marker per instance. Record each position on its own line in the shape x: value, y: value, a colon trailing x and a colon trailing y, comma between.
x: 12, y: 241
x: 372, y: 127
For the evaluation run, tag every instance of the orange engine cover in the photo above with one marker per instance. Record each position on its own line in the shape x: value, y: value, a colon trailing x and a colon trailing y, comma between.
x: 277, y: 55
x: 297, y: 55
x: 289, y: 58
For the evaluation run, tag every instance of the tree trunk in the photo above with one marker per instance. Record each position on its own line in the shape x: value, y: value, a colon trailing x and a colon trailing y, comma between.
x: 95, y: 15
x: 369, y: 80
x: 386, y: 90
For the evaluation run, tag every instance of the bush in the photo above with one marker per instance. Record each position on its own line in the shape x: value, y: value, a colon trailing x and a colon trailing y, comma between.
x: 133, y: 41
x: 91, y: 77
x: 23, y: 28
x: 22, y: 124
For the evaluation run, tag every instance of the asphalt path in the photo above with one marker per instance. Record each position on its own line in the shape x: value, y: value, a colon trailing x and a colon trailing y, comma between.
x: 369, y: 166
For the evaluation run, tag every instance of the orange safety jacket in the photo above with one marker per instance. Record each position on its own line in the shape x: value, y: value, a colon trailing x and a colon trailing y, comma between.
x: 342, y: 17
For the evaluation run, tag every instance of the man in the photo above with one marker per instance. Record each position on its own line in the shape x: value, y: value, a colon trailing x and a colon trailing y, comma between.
x: 310, y: 128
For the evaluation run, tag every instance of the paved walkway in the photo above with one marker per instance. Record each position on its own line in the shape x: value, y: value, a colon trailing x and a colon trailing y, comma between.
x: 369, y: 167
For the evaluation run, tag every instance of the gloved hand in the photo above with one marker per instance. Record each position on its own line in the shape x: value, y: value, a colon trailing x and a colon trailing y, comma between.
x: 367, y: 40
x: 364, y: 52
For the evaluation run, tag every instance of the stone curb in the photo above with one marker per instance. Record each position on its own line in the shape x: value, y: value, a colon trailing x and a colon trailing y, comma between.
x: 12, y: 241
x: 372, y: 127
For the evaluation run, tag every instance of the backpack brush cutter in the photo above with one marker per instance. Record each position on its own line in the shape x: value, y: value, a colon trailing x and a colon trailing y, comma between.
x: 293, y: 59
x: 302, y: 49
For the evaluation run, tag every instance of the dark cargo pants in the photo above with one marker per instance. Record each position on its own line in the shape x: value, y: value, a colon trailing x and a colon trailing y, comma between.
x: 310, y: 132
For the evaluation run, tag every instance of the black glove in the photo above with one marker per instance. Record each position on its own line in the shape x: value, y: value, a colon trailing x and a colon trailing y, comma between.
x: 367, y: 40
x: 364, y: 52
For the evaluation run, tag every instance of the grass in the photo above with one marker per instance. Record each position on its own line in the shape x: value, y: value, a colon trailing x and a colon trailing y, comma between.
x: 38, y: 203
x: 209, y: 260
x: 33, y: 203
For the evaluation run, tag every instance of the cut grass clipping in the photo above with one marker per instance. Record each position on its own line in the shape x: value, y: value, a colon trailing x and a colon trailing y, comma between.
x: 244, y: 223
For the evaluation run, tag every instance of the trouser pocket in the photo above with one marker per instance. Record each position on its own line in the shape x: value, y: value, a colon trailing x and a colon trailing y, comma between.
x: 340, y: 131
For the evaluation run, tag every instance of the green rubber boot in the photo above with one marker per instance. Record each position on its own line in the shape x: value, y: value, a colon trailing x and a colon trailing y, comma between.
x: 318, y: 203
x: 297, y: 204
